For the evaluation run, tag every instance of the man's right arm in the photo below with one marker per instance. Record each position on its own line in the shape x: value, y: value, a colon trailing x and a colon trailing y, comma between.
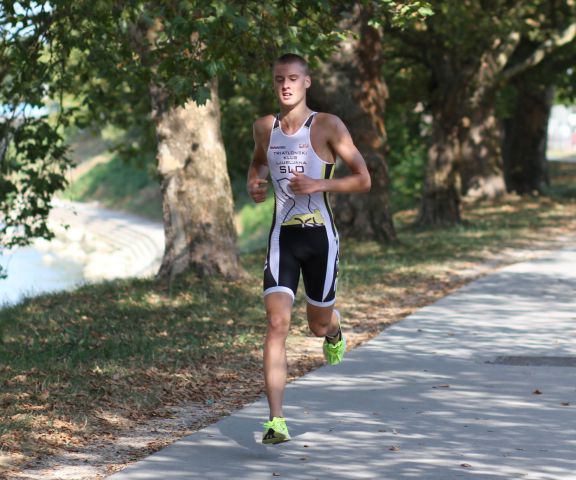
x: 257, y: 184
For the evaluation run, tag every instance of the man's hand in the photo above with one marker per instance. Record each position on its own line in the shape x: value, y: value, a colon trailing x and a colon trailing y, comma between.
x: 257, y: 189
x: 301, y: 184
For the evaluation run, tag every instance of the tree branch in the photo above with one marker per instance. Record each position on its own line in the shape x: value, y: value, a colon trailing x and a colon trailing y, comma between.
x: 558, y: 40
x: 505, y: 51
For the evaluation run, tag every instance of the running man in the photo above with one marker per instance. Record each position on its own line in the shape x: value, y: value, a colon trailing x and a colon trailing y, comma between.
x: 298, y: 149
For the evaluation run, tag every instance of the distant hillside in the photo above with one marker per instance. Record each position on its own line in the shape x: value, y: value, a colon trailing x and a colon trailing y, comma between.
x: 102, y: 176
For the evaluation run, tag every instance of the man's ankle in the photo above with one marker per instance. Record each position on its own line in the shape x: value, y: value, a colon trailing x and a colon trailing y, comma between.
x: 335, y: 338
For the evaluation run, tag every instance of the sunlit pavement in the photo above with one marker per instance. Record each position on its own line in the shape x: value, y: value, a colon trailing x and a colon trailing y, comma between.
x: 480, y: 385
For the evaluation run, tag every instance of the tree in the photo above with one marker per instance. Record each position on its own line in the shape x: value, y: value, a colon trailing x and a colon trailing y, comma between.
x: 550, y: 27
x: 349, y: 83
x: 467, y: 49
x: 191, y: 164
x: 525, y: 140
x: 525, y: 161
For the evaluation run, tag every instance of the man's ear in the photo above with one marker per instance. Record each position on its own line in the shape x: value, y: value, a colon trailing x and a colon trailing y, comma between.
x: 307, y: 81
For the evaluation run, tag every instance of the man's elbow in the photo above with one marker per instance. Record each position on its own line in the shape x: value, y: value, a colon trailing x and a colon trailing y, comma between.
x: 366, y: 184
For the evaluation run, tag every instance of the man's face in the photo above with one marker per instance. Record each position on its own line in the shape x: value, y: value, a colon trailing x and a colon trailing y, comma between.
x: 290, y: 83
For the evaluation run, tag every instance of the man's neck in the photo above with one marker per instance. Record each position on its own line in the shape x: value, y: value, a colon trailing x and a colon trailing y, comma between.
x: 293, y: 116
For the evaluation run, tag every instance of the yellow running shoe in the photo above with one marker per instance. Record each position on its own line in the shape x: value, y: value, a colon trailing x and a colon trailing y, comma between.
x: 334, y: 352
x: 275, y: 431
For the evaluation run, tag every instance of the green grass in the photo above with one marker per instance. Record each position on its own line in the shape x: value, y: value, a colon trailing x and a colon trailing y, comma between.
x: 124, y: 344
x: 563, y: 179
x: 255, y: 221
x: 119, y: 185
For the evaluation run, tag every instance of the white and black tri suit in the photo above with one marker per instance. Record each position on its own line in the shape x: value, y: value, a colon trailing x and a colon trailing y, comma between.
x: 303, y: 236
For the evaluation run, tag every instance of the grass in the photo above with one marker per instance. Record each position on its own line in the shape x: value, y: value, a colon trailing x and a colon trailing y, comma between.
x: 563, y: 177
x: 72, y: 363
x: 120, y: 186
x: 254, y: 221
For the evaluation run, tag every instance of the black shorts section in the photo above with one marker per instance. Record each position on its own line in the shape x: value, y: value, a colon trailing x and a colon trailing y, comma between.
x: 307, y: 250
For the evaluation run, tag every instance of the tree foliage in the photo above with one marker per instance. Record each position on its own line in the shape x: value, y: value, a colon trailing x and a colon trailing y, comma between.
x: 91, y: 51
x: 194, y: 42
x: 33, y: 157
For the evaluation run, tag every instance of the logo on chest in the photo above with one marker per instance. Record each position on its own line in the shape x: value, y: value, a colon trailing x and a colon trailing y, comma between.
x: 291, y: 168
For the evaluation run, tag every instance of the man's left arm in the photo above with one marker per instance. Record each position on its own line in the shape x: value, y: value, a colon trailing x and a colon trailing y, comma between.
x: 343, y: 146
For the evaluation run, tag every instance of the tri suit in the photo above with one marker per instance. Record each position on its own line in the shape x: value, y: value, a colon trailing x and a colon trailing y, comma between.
x: 302, y: 236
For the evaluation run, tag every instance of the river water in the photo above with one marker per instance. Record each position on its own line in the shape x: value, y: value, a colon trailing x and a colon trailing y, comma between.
x: 31, y: 272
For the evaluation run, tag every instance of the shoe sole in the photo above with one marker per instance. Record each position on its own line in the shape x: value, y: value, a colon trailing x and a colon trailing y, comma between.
x: 275, y: 440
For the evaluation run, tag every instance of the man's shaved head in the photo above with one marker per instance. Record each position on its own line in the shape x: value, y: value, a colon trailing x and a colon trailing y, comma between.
x: 293, y: 58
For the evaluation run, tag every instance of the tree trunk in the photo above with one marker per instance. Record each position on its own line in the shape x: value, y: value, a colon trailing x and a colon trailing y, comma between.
x: 526, y: 137
x: 197, y: 198
x: 481, y: 168
x: 440, y: 204
x: 441, y: 200
x: 350, y: 85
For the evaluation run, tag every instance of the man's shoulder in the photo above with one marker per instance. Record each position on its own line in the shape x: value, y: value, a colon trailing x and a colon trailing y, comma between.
x: 264, y: 123
x: 328, y: 119
x: 330, y: 125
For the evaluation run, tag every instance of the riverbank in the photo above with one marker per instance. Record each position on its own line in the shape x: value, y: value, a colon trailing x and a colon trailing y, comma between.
x: 91, y: 244
x: 107, y: 243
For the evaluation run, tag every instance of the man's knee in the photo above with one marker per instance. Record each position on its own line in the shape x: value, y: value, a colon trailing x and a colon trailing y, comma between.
x: 319, y: 320
x: 319, y: 330
x: 279, y: 322
x: 319, y: 326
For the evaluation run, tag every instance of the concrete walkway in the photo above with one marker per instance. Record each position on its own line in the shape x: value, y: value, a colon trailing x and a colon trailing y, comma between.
x: 480, y: 385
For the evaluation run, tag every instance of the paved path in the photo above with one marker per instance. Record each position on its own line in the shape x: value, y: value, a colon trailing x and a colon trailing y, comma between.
x: 433, y: 397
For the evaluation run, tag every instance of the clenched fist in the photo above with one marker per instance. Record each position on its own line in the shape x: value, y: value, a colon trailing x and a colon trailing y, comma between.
x: 257, y: 189
x: 301, y: 184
